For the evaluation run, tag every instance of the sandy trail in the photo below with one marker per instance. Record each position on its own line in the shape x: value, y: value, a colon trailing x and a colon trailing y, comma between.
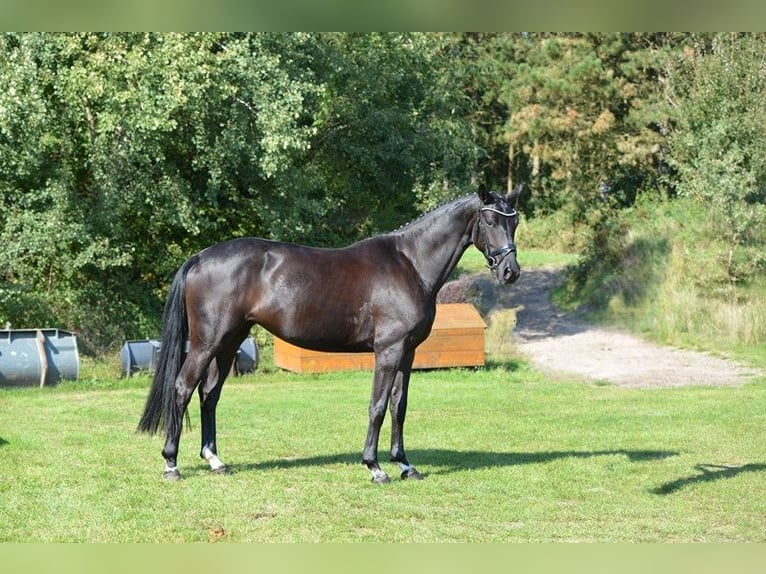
x: 561, y: 343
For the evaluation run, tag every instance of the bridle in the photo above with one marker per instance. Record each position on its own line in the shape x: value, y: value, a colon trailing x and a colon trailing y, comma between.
x: 494, y: 258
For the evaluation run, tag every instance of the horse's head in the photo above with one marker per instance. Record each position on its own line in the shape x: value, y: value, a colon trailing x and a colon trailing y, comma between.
x: 495, y: 231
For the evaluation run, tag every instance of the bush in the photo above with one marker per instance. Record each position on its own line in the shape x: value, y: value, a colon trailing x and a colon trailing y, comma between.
x: 661, y: 271
x: 717, y: 144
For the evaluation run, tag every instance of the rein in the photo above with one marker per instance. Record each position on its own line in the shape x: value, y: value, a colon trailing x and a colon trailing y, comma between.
x: 495, y: 257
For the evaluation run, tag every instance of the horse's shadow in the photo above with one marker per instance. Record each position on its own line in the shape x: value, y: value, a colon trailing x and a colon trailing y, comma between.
x: 446, y: 461
x: 707, y: 473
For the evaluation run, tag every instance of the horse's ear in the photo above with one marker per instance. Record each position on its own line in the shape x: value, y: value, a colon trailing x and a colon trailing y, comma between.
x: 513, y: 197
x: 484, y: 194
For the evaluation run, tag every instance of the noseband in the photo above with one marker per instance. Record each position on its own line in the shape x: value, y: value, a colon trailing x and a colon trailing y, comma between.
x: 494, y: 258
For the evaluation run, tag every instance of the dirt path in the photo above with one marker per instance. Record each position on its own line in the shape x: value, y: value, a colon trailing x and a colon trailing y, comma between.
x: 558, y: 342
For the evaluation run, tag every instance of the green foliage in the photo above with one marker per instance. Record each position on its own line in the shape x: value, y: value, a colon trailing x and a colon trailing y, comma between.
x: 687, y: 266
x: 123, y: 154
x: 568, y: 112
x: 664, y: 275
x: 388, y: 137
x: 718, y: 143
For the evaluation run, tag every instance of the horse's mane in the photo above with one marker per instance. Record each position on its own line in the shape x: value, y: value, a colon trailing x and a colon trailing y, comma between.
x: 446, y: 206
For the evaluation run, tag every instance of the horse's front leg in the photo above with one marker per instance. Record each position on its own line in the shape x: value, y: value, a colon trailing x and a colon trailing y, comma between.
x: 398, y: 406
x: 386, y: 367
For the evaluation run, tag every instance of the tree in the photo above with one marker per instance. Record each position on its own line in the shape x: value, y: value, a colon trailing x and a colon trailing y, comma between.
x: 120, y: 153
x: 123, y: 154
x: 717, y: 140
x: 568, y: 112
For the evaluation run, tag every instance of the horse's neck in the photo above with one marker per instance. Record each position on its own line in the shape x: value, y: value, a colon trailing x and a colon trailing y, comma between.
x: 435, y: 242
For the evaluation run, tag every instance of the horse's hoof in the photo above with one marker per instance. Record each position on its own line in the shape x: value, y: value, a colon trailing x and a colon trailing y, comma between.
x: 221, y: 470
x: 381, y: 479
x: 412, y: 474
x: 171, y: 475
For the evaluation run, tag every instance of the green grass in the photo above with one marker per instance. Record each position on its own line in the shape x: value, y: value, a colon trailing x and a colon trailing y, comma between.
x: 508, y: 456
x: 473, y: 260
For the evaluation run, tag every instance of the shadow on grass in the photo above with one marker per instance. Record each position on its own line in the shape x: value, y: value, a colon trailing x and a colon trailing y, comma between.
x: 707, y: 473
x: 447, y: 461
x: 3, y: 442
x: 492, y: 364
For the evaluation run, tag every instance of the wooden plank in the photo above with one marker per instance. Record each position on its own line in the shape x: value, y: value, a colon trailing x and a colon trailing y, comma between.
x: 457, y: 315
x: 456, y: 340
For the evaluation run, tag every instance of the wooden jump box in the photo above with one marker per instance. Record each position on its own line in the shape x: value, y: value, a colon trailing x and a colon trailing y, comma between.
x: 456, y: 340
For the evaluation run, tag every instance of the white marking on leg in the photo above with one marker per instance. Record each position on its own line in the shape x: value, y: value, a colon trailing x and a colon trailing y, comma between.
x: 378, y: 474
x: 409, y: 472
x: 214, y: 462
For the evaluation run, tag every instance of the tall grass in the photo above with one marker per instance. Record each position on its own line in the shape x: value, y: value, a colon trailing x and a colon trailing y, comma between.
x: 665, y: 273
x: 684, y: 312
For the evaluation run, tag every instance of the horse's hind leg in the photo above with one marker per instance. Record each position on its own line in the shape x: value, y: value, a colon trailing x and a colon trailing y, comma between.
x: 209, y: 393
x: 192, y: 371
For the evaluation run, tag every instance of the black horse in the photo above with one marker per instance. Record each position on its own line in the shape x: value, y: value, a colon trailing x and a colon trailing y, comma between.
x: 378, y: 294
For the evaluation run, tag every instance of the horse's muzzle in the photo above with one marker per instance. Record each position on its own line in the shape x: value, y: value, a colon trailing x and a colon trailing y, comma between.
x: 508, y: 271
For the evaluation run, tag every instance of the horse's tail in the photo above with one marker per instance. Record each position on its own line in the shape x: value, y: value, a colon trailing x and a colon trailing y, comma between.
x: 161, y: 408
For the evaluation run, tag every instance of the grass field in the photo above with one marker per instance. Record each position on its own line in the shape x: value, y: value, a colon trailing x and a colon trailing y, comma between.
x: 507, y: 454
